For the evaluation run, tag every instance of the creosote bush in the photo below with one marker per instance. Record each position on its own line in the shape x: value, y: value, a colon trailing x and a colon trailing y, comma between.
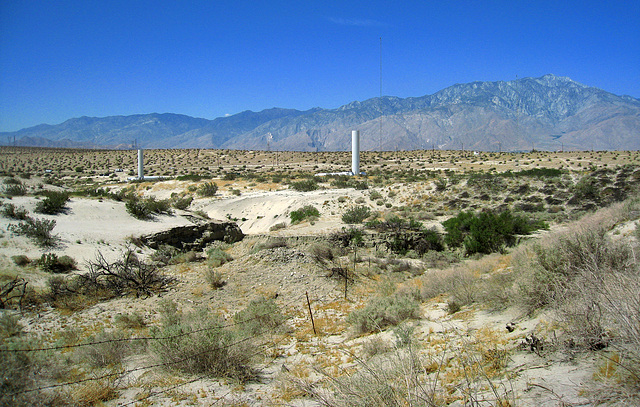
x: 53, y: 203
x: 10, y: 211
x: 146, y: 208
x: 38, y: 230
x: 207, y: 189
x: 356, y: 215
x: 307, y: 212
x: 305, y: 185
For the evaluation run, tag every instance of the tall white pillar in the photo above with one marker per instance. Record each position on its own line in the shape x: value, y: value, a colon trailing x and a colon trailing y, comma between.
x: 355, y: 152
x: 140, y: 165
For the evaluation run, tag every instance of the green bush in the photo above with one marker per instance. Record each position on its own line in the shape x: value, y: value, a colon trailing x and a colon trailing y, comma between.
x: 182, y: 203
x: 53, y: 203
x: 10, y: 211
x: 51, y: 263
x: 145, y: 209
x: 197, y: 343
x: 306, y: 212
x: 383, y: 312
x: 305, y: 185
x: 487, y: 232
x: 14, y: 187
x: 207, y: 189
x: 38, y: 230
x: 356, y: 214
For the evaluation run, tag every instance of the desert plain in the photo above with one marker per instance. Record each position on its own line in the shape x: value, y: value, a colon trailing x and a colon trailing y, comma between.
x: 338, y: 291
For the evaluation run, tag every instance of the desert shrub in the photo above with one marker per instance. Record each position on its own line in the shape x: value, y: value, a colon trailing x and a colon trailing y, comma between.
x: 182, y: 203
x: 278, y: 226
x: 591, y: 283
x: 110, y: 351
x: 459, y: 283
x: 214, y: 278
x: 207, y: 189
x: 375, y: 195
x: 487, y: 232
x: 127, y: 275
x: 392, y: 379
x: 356, y: 215
x: 10, y: 211
x: 131, y: 321
x: 164, y: 254
x: 189, y: 177
x: 38, y: 230
x: 14, y: 190
x: 259, y: 317
x: 145, y: 209
x: 209, y: 349
x: 138, y: 209
x: 305, y: 185
x: 51, y: 263
x: 306, y: 212
x: 17, y: 367
x: 53, y: 203
x: 21, y: 260
x: 382, y: 312
x: 586, y: 189
x: 216, y: 257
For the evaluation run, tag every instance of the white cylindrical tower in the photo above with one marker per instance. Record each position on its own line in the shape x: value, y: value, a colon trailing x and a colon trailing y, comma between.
x: 355, y: 152
x: 140, y: 165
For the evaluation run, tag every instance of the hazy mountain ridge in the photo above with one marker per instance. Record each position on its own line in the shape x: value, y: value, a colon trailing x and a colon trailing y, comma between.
x: 549, y: 112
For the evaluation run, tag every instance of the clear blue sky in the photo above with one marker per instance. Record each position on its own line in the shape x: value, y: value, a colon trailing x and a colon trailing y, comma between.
x: 64, y: 59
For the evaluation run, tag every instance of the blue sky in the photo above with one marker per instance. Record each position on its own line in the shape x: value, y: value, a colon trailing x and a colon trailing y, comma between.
x: 64, y: 59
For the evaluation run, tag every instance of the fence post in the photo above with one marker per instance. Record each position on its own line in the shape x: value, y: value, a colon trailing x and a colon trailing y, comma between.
x: 310, y: 313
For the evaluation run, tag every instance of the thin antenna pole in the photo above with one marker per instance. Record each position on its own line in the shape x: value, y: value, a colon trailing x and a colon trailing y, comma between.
x: 380, y: 100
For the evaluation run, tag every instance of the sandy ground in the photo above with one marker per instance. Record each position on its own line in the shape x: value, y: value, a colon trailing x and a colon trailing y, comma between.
x: 91, y: 225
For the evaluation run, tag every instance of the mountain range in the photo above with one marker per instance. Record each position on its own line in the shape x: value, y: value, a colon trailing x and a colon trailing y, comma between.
x: 546, y: 113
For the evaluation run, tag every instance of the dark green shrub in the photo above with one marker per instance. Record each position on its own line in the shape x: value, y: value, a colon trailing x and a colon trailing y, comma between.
x: 207, y: 189
x: 305, y: 185
x: 10, y: 211
x: 145, y: 209
x: 138, y: 209
x: 356, y: 214
x: 53, y: 203
x: 306, y: 212
x: 38, y: 230
x: 51, y: 263
x: 487, y: 232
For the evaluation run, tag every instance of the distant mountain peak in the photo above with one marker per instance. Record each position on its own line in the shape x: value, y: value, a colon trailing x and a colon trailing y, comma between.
x: 544, y: 112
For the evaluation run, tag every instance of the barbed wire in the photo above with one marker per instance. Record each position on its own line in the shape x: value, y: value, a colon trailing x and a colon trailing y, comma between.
x: 146, y: 338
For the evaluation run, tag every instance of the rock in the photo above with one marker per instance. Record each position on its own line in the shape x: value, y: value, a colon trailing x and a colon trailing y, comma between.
x: 195, y: 237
